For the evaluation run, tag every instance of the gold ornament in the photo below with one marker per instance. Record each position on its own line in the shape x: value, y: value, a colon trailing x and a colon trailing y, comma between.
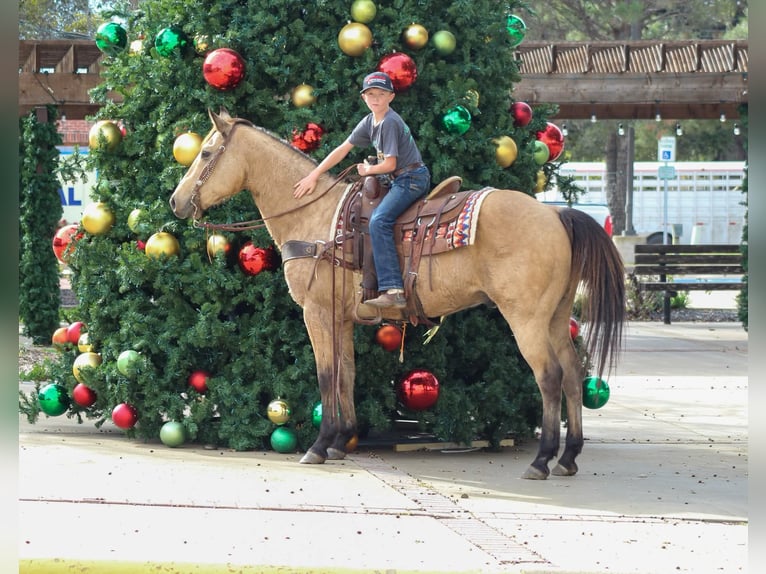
x: 186, y: 147
x: 97, y: 218
x: 540, y: 181
x: 217, y: 243
x: 108, y: 130
x: 354, y: 38
x: 303, y: 95
x: 278, y: 412
x: 88, y: 359
x: 83, y: 344
x: 415, y: 36
x: 472, y: 97
x: 506, y: 151
x: 162, y: 243
x: 363, y: 11
x: 201, y: 43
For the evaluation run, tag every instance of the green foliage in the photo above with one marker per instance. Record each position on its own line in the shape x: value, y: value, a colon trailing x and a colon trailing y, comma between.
x: 186, y: 312
x: 40, y: 211
x: 742, y: 304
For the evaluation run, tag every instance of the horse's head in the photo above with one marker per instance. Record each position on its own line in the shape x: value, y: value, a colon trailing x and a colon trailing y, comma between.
x: 214, y: 176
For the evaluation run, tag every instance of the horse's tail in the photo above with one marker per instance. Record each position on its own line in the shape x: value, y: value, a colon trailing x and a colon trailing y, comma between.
x: 597, y: 263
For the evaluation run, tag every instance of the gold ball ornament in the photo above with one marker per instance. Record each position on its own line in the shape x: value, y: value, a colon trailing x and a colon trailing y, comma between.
x: 363, y: 11
x: 540, y: 182
x: 186, y: 147
x: 415, y: 36
x: 162, y: 243
x: 506, y: 151
x: 104, y: 135
x: 303, y: 95
x: 472, y: 97
x: 201, y: 43
x: 354, y: 38
x: 88, y: 359
x: 136, y: 47
x: 278, y: 412
x: 97, y: 218
x: 217, y: 243
x: 83, y: 344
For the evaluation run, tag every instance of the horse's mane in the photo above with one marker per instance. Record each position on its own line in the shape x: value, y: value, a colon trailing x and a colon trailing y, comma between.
x: 278, y: 139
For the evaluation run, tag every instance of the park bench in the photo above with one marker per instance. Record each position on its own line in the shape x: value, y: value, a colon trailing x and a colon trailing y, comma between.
x: 673, y: 268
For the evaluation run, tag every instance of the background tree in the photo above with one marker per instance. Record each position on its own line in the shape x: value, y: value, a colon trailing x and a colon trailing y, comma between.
x: 188, y: 312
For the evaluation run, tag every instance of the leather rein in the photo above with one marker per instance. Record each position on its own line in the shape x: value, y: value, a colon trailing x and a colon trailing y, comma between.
x: 207, y: 171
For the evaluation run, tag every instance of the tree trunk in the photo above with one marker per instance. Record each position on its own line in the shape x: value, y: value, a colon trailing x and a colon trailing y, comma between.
x: 616, y: 179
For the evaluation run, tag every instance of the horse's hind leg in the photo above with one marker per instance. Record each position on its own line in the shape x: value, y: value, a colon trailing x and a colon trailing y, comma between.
x: 572, y: 384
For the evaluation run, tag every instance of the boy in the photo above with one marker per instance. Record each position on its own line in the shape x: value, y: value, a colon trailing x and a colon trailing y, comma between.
x: 397, y: 155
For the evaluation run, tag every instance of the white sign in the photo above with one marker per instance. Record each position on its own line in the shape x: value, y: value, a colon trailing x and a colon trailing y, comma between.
x: 666, y: 149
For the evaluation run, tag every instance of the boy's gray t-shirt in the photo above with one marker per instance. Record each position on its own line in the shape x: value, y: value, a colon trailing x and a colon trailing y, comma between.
x: 391, y: 137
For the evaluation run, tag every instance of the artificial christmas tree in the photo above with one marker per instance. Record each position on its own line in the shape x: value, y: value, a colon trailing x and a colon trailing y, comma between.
x: 187, y: 308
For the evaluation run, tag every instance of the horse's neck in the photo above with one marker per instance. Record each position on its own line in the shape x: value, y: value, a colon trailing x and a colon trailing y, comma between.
x: 271, y: 178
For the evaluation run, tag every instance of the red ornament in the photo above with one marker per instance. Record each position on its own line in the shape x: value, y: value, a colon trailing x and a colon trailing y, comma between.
x: 574, y: 328
x: 400, y: 68
x: 309, y: 139
x: 83, y: 395
x: 223, y: 69
x: 254, y: 259
x: 198, y: 381
x: 124, y: 416
x: 389, y: 337
x: 418, y: 390
x: 65, y: 237
x: 522, y: 114
x: 553, y: 138
x: 73, y: 332
x: 140, y: 245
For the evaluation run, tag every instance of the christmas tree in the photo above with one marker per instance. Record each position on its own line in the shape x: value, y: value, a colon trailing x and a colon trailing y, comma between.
x: 202, y: 330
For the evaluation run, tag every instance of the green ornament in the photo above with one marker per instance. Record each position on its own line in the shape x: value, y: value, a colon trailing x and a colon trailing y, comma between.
x: 111, y: 38
x: 457, y: 120
x: 316, y: 415
x: 171, y: 40
x: 516, y: 28
x: 284, y: 440
x: 53, y: 399
x: 595, y: 393
x: 173, y: 434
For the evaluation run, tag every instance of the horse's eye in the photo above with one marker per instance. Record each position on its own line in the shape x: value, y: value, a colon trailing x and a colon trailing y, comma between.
x: 205, y: 154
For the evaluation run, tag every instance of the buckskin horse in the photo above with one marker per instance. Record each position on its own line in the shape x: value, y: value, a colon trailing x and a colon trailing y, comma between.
x: 526, y: 258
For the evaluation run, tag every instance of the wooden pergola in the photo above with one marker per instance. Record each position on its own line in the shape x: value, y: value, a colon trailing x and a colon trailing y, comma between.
x: 694, y: 79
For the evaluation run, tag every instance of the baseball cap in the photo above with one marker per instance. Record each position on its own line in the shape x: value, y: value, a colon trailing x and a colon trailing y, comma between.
x: 377, y: 80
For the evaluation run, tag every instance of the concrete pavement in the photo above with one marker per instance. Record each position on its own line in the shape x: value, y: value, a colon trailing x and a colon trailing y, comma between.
x: 662, y: 487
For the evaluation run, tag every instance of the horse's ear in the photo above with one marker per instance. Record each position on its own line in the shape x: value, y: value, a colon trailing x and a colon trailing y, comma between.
x: 222, y: 121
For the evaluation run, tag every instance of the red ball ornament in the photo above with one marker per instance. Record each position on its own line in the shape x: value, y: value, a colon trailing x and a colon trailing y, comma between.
x: 254, y: 259
x: 223, y: 69
x: 400, y: 68
x: 574, y: 328
x: 389, y: 337
x: 553, y: 138
x: 198, y: 381
x: 309, y: 139
x: 124, y: 416
x: 522, y: 114
x: 418, y: 390
x: 65, y: 237
x: 73, y: 332
x: 83, y: 395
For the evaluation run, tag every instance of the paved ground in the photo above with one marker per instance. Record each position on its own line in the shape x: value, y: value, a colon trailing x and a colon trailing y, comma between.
x: 662, y: 487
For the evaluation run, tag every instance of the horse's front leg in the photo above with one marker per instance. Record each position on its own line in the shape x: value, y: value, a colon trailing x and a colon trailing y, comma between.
x: 336, y: 387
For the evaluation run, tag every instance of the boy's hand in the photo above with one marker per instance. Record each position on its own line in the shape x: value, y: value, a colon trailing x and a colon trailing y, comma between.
x: 304, y: 186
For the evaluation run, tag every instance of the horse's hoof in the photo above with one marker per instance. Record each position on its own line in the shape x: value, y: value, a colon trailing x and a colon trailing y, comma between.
x: 533, y: 473
x: 559, y: 470
x: 312, y: 458
x: 335, y: 454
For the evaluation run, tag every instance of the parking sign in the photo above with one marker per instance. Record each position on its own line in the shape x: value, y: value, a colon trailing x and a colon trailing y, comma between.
x: 666, y: 149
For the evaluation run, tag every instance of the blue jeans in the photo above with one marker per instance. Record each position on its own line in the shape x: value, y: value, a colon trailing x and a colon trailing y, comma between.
x: 405, y: 190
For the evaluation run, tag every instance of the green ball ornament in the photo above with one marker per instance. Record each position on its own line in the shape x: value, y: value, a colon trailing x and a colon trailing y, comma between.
x: 278, y: 412
x: 128, y: 363
x: 173, y: 434
x: 542, y: 153
x: 516, y: 29
x: 316, y: 415
x: 595, y: 392
x: 111, y: 38
x: 284, y: 440
x: 457, y: 120
x: 53, y: 399
x: 171, y: 40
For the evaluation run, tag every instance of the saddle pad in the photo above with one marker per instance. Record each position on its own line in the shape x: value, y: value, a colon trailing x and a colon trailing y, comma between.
x: 465, y: 226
